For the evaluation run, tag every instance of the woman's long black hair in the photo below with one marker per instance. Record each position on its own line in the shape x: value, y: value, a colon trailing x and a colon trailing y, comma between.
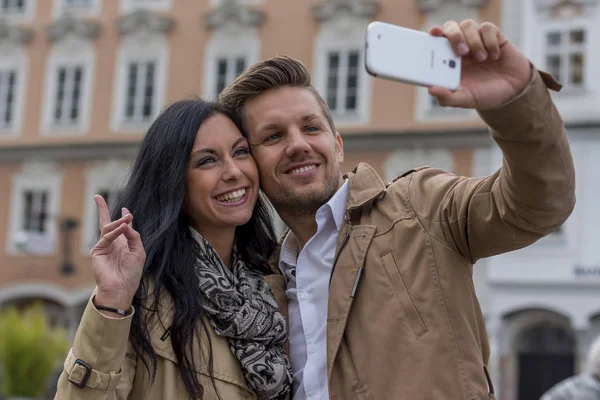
x: 155, y: 194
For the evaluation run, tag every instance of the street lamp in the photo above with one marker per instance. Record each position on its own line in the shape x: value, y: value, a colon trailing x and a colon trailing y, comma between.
x: 67, y: 225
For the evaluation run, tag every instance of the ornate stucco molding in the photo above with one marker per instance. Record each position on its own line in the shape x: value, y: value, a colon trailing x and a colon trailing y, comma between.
x: 328, y: 9
x: 144, y: 19
x: 69, y: 24
x: 233, y: 11
x: 15, y: 34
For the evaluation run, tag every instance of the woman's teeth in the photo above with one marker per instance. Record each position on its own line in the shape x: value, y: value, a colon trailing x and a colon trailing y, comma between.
x: 232, y: 197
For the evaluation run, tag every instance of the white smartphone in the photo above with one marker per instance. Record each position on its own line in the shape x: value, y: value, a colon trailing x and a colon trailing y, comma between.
x: 411, y: 56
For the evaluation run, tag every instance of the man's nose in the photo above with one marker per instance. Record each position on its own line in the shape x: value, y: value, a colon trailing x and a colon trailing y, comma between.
x: 297, y: 143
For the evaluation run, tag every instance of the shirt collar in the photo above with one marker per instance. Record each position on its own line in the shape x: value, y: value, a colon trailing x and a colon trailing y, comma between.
x: 337, y: 204
x: 289, y: 246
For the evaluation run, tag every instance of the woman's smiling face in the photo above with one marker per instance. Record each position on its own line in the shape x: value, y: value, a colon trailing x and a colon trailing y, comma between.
x: 222, y: 183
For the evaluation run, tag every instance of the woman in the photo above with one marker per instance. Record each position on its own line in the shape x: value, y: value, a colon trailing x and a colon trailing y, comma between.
x: 188, y: 314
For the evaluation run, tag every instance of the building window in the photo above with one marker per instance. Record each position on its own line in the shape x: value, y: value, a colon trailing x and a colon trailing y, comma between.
x: 35, y: 213
x: 8, y: 81
x: 13, y: 6
x: 140, y: 81
x: 339, y: 69
x: 17, y: 10
x: 565, y: 55
x: 242, y: 49
x: 342, y: 80
x: 228, y: 68
x: 69, y: 87
x: 13, y: 73
x: 67, y: 100
x: 34, y: 210
x: 140, y: 91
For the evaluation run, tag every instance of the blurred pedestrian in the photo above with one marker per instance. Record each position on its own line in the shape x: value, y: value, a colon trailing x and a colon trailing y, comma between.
x: 585, y: 386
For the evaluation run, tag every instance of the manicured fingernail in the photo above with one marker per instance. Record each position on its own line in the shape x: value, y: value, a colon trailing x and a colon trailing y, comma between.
x: 124, y: 211
x: 462, y: 49
x: 480, y: 55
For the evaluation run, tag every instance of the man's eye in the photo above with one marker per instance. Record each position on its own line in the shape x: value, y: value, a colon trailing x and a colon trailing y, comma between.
x: 270, y: 138
x: 312, y: 129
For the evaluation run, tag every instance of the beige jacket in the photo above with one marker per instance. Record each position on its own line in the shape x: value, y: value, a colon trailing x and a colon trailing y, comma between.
x: 403, y: 321
x: 116, y: 374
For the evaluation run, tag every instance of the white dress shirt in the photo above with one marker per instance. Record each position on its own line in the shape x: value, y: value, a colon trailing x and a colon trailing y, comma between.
x: 307, y: 289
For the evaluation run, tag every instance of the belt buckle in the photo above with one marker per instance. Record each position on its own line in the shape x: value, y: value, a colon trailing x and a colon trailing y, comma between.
x: 86, y: 377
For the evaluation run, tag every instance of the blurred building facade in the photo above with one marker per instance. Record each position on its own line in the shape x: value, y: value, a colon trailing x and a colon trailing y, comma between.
x: 80, y: 81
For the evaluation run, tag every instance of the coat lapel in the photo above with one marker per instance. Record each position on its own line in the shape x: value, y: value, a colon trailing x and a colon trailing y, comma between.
x: 344, y: 283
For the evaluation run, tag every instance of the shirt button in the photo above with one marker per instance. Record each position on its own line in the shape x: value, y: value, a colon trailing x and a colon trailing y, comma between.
x: 311, y: 350
x: 303, y: 296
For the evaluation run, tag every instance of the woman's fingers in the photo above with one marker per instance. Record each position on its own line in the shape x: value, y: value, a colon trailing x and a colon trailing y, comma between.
x: 107, y: 239
x: 124, y: 212
x: 103, y: 212
x: 134, y: 241
x: 115, y: 224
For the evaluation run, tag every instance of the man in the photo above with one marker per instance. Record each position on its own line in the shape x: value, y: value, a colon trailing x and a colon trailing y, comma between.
x: 379, y: 277
x: 585, y: 386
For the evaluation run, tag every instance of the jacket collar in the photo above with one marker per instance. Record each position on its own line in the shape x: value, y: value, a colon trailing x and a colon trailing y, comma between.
x: 365, y: 186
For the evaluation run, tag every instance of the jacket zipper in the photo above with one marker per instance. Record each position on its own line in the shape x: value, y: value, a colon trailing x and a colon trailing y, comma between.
x: 337, y: 255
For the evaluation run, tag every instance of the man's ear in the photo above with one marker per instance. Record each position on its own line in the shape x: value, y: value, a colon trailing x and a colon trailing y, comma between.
x: 339, y: 146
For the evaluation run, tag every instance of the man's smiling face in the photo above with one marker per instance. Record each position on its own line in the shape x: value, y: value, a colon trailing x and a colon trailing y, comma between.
x: 298, y: 156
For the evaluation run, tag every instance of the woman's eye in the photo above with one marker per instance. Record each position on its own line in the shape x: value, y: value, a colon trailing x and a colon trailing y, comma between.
x: 242, y: 151
x: 206, y: 161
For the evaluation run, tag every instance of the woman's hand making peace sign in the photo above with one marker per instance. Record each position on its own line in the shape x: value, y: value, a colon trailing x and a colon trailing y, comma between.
x: 117, y: 260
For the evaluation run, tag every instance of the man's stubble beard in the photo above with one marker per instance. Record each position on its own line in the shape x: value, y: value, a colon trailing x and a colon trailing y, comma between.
x: 288, y: 202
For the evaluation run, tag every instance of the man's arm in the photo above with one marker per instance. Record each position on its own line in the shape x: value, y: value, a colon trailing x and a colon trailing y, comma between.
x: 529, y: 197
x: 534, y: 191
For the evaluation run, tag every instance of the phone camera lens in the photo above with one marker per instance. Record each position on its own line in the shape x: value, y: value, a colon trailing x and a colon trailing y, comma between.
x: 452, y: 63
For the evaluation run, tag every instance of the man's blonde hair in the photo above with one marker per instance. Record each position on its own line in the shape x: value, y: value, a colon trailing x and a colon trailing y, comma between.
x: 270, y: 74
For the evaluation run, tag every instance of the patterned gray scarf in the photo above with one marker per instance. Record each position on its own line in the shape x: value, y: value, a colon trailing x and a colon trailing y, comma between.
x: 242, y: 308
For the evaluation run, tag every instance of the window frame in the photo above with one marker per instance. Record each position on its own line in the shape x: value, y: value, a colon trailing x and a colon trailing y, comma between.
x: 25, y: 16
x: 565, y: 28
x: 139, y: 48
x: 35, y: 177
x: 239, y: 42
x: 15, y: 59
x: 70, y: 53
x: 343, y: 34
x: 342, y: 87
